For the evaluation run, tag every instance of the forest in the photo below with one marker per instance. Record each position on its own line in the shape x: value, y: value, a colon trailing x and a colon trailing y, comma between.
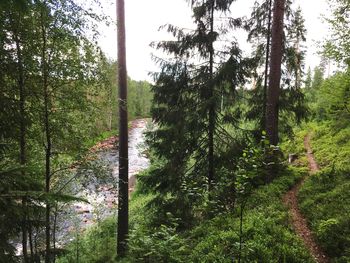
x: 231, y: 151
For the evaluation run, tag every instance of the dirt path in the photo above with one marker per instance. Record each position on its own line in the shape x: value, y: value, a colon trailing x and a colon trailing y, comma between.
x: 298, y: 221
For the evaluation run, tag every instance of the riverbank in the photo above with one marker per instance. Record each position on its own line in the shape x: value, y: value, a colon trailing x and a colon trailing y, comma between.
x: 95, y: 181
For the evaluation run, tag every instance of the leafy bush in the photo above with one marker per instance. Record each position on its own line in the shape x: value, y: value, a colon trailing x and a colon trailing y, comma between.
x: 96, y: 245
x: 163, y: 244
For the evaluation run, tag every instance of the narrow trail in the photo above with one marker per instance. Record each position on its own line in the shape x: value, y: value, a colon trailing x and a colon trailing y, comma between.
x: 298, y: 220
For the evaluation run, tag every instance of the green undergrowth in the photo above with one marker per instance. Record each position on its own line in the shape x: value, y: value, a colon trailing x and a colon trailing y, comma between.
x: 331, y: 145
x: 325, y: 196
x: 267, y: 235
x: 325, y: 201
x: 109, y: 133
x: 101, y: 137
x: 98, y: 244
x: 295, y: 145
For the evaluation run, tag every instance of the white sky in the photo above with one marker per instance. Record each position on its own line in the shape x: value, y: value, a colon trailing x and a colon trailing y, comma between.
x: 144, y: 17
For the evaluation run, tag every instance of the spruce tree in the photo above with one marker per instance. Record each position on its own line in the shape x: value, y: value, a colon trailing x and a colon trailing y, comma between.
x: 187, y: 109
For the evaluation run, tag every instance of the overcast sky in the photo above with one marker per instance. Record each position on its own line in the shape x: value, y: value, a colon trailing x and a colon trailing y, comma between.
x: 143, y: 18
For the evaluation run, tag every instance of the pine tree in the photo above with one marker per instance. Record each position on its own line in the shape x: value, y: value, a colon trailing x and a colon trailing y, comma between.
x: 273, y: 92
x: 123, y: 182
x: 291, y: 98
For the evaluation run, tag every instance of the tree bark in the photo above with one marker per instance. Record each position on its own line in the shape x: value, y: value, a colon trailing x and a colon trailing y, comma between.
x: 123, y: 193
x: 267, y: 57
x: 47, y: 129
x: 30, y: 235
x: 211, y: 126
x: 273, y: 91
x: 22, y: 128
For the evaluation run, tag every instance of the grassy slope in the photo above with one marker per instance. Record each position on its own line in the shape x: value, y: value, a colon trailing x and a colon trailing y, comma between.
x: 325, y: 197
x: 267, y: 234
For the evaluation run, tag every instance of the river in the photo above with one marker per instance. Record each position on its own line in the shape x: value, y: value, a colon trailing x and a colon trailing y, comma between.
x: 103, y: 198
x: 99, y: 190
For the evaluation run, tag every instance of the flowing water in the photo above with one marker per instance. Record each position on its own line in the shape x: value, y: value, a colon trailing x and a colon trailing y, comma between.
x: 103, y: 198
x: 102, y: 195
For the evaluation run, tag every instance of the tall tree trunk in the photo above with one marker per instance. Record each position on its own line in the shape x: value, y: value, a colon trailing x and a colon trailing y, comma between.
x: 297, y: 70
x: 123, y: 193
x: 22, y: 146
x: 267, y: 57
x: 22, y: 135
x: 47, y: 176
x: 275, y: 72
x: 54, y: 229
x: 211, y: 126
x: 30, y: 234
x: 48, y: 146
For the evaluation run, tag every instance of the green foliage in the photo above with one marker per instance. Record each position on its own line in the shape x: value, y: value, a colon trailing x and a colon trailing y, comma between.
x: 331, y: 147
x: 94, y: 246
x: 57, y: 93
x: 337, y: 47
x: 324, y: 201
x: 139, y: 99
x: 324, y: 197
x: 333, y: 100
x: 97, y: 244
x: 163, y: 244
x: 211, y: 240
x: 217, y: 239
x: 12, y: 180
x: 190, y: 141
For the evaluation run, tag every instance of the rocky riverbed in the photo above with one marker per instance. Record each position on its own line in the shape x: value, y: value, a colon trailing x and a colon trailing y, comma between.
x: 103, y: 198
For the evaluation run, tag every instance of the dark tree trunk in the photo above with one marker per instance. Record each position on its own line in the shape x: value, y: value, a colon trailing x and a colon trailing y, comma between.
x: 123, y: 193
x: 47, y: 129
x: 54, y: 232
x: 30, y: 234
x: 211, y: 126
x: 268, y: 43
x: 22, y: 128
x: 47, y: 178
x: 22, y: 146
x: 47, y: 173
x: 275, y: 72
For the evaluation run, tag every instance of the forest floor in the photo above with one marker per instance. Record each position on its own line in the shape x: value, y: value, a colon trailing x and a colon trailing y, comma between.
x: 298, y: 220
